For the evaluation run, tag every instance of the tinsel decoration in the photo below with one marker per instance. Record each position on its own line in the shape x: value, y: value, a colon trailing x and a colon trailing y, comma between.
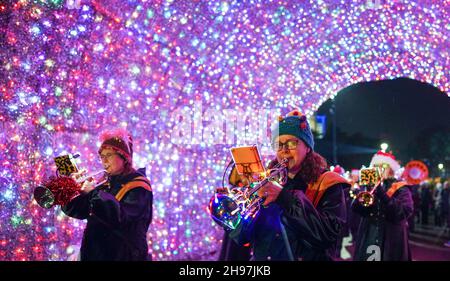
x: 56, y: 191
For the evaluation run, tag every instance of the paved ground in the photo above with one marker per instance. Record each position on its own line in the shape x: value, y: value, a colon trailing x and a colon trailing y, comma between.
x: 426, y: 242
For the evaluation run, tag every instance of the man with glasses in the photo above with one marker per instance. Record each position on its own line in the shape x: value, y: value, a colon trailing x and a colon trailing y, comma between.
x: 383, y: 231
x: 118, y: 214
x: 303, y: 219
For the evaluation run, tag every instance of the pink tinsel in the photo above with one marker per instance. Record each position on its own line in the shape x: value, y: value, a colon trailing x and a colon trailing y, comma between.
x: 119, y: 132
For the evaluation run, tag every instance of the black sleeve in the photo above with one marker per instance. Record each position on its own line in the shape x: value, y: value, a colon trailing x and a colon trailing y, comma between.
x: 398, y: 207
x: 136, y: 204
x: 319, y: 226
x: 243, y: 233
x: 79, y: 207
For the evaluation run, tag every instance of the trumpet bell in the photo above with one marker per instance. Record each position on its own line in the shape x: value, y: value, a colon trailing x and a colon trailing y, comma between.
x: 56, y: 191
x: 365, y: 198
x: 44, y: 197
x: 225, y: 211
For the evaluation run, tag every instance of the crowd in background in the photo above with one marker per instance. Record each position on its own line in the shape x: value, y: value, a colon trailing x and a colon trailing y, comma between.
x: 431, y: 203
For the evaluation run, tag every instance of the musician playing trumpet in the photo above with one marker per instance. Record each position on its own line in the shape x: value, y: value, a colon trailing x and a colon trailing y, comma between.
x: 118, y: 214
x: 302, y: 219
x: 383, y: 231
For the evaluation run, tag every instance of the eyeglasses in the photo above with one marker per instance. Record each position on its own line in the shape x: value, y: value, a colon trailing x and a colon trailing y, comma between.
x: 107, y: 156
x: 290, y: 144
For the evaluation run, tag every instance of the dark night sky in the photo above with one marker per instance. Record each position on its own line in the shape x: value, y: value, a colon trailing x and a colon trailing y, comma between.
x: 393, y: 111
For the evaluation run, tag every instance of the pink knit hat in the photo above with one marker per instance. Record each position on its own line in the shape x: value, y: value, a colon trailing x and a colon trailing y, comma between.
x: 119, y: 140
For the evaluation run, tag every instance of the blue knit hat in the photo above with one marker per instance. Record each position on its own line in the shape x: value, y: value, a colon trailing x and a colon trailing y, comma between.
x: 295, y: 124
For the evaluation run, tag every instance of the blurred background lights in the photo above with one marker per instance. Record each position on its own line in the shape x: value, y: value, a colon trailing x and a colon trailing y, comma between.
x: 73, y: 68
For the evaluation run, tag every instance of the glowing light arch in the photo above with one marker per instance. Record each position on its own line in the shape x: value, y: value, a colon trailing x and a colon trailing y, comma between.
x: 71, y: 70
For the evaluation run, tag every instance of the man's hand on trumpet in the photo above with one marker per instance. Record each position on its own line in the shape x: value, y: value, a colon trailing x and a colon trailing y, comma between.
x: 270, y: 191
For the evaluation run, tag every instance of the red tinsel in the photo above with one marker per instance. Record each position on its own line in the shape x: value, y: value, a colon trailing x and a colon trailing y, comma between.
x: 64, y: 189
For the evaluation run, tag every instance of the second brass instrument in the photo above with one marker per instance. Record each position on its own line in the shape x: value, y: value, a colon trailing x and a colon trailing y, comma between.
x: 228, y: 209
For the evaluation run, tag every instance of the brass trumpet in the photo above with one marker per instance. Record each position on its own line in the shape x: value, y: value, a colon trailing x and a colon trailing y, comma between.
x: 93, y: 175
x: 366, y: 198
x: 369, y: 177
x: 61, y: 189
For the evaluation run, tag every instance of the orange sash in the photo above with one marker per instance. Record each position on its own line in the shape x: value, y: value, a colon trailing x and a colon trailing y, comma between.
x: 135, y: 183
x: 394, y: 187
x: 315, y: 191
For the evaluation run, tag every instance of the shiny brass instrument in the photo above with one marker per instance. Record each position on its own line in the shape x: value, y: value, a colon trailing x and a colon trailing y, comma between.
x: 366, y: 198
x: 370, y: 178
x: 231, y: 206
x: 60, y: 189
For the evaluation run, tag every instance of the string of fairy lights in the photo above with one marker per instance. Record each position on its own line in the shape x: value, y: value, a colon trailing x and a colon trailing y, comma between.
x: 176, y: 74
